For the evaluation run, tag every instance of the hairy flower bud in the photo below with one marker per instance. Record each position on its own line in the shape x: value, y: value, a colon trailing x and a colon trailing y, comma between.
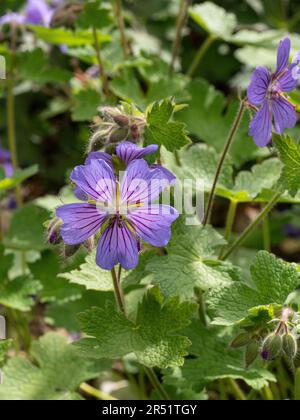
x: 241, y: 340
x: 289, y: 345
x: 53, y: 231
x: 272, y: 347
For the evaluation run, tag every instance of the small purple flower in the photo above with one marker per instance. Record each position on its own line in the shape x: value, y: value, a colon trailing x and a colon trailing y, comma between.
x: 122, y: 210
x: 38, y: 12
x: 5, y: 163
x: 267, y: 90
x: 14, y: 18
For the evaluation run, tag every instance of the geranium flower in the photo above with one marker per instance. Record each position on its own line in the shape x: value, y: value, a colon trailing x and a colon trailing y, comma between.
x: 267, y: 90
x: 127, y: 152
x: 121, y: 210
x: 36, y: 12
x: 5, y: 162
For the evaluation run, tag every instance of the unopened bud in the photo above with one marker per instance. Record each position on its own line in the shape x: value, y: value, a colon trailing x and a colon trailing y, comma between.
x: 90, y: 243
x: 241, y: 340
x: 69, y: 250
x: 272, y: 347
x: 289, y: 345
x: 252, y: 352
x: 53, y: 231
x: 118, y: 135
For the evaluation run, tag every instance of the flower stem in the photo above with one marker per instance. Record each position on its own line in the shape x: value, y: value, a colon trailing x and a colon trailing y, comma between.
x: 121, y: 305
x: 118, y: 291
x: 297, y: 385
x: 229, y: 141
x: 182, y: 17
x: 96, y: 393
x: 200, y: 54
x: 119, y: 16
x: 252, y: 226
x: 156, y: 384
x: 236, y: 390
x: 229, y: 222
x: 102, y: 75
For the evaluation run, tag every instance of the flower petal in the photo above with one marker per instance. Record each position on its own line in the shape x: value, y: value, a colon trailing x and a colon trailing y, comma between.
x: 117, y: 246
x: 283, y: 56
x: 142, y: 185
x: 284, y: 114
x: 165, y: 173
x: 289, y: 79
x: 258, y: 87
x: 153, y: 223
x: 128, y: 151
x: 99, y: 156
x: 261, y: 126
x: 81, y: 221
x: 96, y: 180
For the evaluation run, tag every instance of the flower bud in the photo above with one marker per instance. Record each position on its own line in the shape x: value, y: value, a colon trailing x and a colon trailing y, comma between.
x: 252, y: 352
x: 289, y: 345
x: 53, y: 231
x: 70, y: 250
x: 272, y: 347
x: 241, y: 340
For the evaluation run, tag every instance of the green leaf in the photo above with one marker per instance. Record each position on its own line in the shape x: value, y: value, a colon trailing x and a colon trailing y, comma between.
x: 208, y: 117
x: 289, y: 153
x: 162, y: 130
x: 18, y: 177
x: 154, y: 335
x: 47, y: 270
x: 90, y: 275
x: 54, y: 372
x: 214, y: 19
x: 34, y: 66
x: 212, y: 360
x: 94, y: 15
x: 191, y: 262
x: 16, y: 293
x: 66, y: 37
x: 127, y: 87
x: 26, y: 230
x: 86, y: 104
x: 273, y: 280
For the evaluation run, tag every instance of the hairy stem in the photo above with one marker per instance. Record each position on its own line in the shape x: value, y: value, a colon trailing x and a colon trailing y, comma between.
x: 102, y: 75
x: 229, y: 222
x: 96, y: 393
x: 182, y: 18
x: 228, y: 143
x: 252, y: 226
x: 121, y: 305
x: 119, y: 15
x: 200, y: 54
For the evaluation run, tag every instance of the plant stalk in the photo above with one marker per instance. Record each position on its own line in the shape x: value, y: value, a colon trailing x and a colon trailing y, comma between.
x: 119, y: 15
x: 229, y: 222
x: 102, y: 75
x: 121, y: 305
x: 252, y: 226
x: 200, y: 54
x: 96, y: 393
x: 182, y: 18
x: 228, y: 143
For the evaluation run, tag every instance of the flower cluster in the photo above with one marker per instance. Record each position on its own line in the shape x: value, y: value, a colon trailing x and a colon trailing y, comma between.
x: 121, y: 210
x: 267, y: 91
x: 36, y: 12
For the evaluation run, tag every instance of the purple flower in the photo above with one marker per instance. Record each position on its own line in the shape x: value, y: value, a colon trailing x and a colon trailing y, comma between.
x: 5, y: 163
x: 38, y: 12
x: 122, y: 210
x: 267, y: 90
x: 15, y: 18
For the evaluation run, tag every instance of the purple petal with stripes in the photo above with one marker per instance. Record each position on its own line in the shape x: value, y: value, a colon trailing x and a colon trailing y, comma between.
x: 283, y: 56
x: 153, y: 223
x: 258, y: 87
x: 81, y: 221
x: 261, y: 125
x: 96, y: 180
x: 284, y: 114
x: 128, y: 151
x: 117, y: 246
